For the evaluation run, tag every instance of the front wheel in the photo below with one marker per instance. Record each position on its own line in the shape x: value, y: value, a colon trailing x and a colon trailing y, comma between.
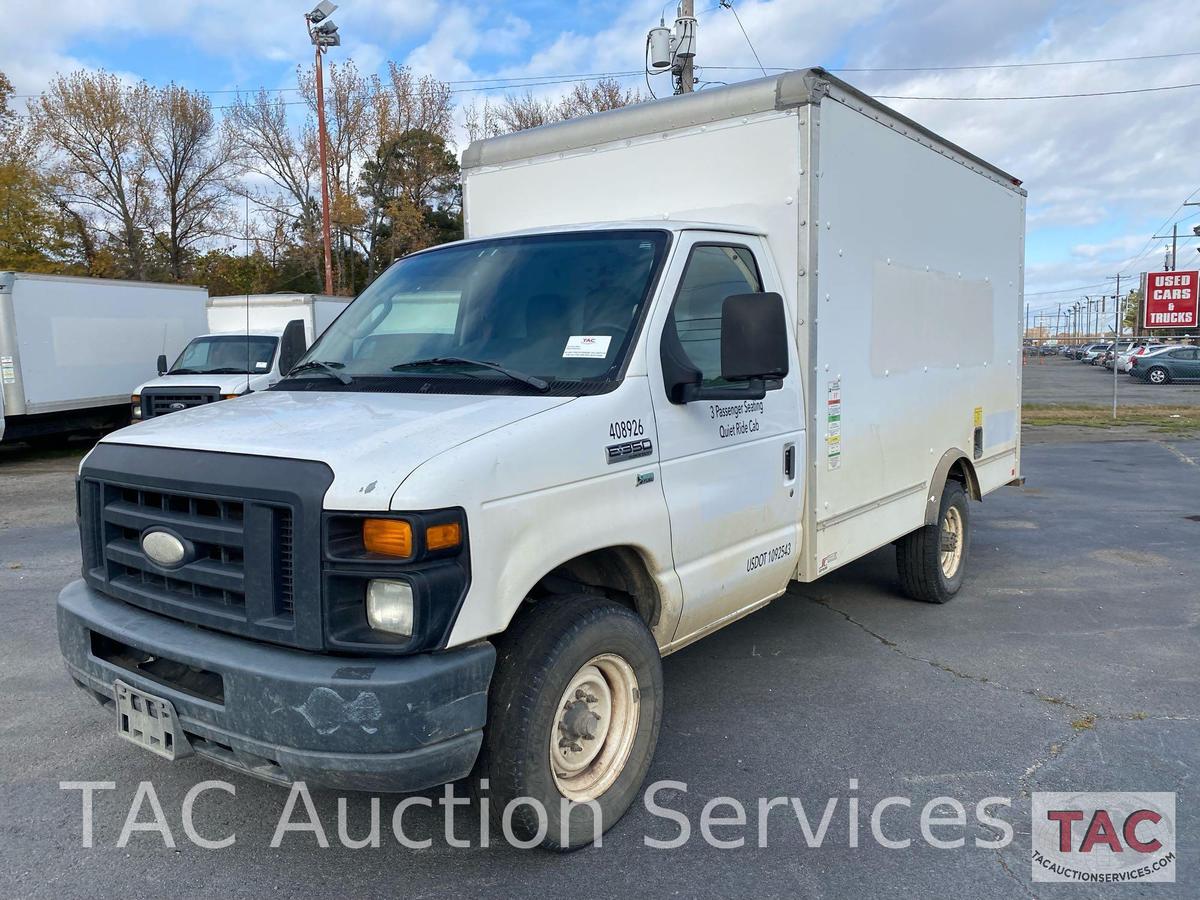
x: 932, y: 560
x: 573, y: 717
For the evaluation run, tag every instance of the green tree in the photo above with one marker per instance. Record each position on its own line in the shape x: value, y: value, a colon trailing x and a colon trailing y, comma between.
x: 33, y: 235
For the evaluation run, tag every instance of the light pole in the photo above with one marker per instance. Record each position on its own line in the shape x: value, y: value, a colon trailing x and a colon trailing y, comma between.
x: 323, y: 35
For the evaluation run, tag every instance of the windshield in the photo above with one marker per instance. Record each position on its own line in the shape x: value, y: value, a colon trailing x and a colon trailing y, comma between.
x: 544, y: 312
x: 226, y: 354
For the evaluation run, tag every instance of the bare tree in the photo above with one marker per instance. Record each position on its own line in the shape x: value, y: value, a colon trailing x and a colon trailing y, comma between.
x: 99, y: 165
x: 516, y: 112
x: 194, y: 157
x: 274, y: 151
x: 586, y: 98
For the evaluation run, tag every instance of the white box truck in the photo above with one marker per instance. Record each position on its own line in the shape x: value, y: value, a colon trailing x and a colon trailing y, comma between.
x: 252, y: 341
x: 71, y: 348
x: 690, y: 352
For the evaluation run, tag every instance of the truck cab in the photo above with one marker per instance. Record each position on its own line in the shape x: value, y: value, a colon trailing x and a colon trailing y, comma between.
x: 519, y: 469
x: 253, y: 341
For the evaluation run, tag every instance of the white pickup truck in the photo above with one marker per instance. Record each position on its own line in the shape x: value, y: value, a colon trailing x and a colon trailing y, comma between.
x: 252, y: 342
x: 691, y: 351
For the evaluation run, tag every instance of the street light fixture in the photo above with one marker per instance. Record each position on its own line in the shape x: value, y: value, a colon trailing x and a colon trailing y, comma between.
x: 323, y: 35
x: 321, y: 12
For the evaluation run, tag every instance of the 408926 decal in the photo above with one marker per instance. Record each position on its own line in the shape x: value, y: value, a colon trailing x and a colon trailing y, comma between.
x: 625, y: 428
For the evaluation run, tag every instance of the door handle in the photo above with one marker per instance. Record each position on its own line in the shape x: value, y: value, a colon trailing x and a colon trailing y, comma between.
x: 789, y: 461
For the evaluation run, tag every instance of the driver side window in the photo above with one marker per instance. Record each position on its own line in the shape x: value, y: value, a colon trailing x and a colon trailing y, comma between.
x: 714, y: 272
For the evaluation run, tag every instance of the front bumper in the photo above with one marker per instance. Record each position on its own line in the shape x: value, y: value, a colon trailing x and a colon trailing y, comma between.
x: 389, y: 724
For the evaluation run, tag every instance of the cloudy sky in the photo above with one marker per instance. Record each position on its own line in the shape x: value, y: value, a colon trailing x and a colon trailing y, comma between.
x: 1104, y: 173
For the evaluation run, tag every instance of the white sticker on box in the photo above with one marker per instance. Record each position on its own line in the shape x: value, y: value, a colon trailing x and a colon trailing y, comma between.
x: 587, y: 346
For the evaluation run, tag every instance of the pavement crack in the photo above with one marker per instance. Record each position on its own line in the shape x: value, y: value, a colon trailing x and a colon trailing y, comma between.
x: 1084, y: 719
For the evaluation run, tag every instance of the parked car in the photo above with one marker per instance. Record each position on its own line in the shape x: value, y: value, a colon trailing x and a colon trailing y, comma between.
x: 1171, y: 364
x: 1091, y: 352
x: 1113, y: 353
x: 1138, y: 349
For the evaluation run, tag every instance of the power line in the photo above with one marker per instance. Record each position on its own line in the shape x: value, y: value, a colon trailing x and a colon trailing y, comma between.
x: 965, y: 68
x: 728, y: 4
x: 516, y: 81
x: 1149, y: 90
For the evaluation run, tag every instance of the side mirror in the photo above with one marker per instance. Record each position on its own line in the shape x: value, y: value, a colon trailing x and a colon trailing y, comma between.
x: 754, y: 337
x: 754, y: 347
x: 291, y: 345
x: 162, y: 364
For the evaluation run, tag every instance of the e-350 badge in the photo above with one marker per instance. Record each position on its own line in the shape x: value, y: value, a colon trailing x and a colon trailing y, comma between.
x: 628, y: 450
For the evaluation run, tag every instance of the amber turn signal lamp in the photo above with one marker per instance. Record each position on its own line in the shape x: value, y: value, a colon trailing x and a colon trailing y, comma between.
x: 390, y: 537
x: 443, y: 537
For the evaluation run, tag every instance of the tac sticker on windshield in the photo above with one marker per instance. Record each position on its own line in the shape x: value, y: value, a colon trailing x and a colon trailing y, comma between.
x: 587, y: 346
x: 260, y: 365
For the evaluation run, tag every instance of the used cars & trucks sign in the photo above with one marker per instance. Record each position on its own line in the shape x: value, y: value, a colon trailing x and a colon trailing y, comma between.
x: 1170, y: 300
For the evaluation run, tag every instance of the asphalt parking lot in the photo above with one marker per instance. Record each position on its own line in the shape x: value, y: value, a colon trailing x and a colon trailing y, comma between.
x: 1053, y: 380
x: 1068, y: 662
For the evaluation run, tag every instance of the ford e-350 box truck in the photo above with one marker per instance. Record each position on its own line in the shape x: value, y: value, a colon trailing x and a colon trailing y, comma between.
x: 690, y: 352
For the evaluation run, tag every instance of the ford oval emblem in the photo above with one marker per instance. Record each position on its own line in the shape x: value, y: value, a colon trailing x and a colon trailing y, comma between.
x: 175, y: 407
x: 163, y: 548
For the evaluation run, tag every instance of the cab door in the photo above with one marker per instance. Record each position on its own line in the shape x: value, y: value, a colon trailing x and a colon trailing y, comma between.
x: 730, y: 468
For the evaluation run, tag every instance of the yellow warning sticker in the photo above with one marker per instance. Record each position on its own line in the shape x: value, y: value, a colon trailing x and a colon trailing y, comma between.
x: 979, y: 417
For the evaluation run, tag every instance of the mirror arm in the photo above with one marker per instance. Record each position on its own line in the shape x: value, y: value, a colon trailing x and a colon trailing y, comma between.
x: 755, y: 389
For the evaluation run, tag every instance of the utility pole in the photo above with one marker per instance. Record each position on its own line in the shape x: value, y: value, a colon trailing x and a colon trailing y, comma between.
x: 685, y: 25
x: 1117, y: 340
x: 1174, y: 246
x: 323, y: 35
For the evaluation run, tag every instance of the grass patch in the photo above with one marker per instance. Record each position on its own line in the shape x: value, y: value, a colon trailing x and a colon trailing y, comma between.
x: 1168, y: 419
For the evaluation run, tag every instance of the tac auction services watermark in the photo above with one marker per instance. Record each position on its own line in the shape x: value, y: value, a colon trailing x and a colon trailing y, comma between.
x: 1109, y: 837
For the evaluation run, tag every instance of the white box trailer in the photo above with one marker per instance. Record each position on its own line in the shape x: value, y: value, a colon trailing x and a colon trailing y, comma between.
x: 71, y: 349
x: 271, y: 313
x: 692, y: 351
x: 901, y: 257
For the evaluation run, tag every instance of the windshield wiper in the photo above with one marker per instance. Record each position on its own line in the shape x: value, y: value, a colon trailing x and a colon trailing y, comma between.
x: 327, y: 368
x: 184, y: 372
x: 533, y: 381
x: 227, y: 370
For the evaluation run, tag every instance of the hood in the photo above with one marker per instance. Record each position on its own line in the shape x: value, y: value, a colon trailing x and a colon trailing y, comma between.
x: 371, y: 441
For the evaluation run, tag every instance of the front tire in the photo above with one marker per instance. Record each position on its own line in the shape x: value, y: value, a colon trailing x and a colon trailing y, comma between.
x: 573, y: 712
x: 932, y: 560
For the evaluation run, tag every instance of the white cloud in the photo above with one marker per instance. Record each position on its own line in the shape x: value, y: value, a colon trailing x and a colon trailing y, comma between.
x: 1101, y: 172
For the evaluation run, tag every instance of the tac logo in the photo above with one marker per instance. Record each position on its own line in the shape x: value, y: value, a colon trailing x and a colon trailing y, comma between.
x: 1097, y: 838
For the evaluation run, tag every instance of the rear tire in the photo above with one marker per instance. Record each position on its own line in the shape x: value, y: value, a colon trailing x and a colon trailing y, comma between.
x: 1158, y: 375
x: 578, y: 676
x: 932, y: 560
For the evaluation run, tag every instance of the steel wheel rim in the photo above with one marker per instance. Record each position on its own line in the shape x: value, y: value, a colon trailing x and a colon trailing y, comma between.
x: 594, y: 727
x: 952, y: 541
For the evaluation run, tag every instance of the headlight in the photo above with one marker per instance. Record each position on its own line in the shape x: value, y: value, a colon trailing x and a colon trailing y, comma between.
x: 390, y: 606
x: 135, y: 406
x: 393, y: 582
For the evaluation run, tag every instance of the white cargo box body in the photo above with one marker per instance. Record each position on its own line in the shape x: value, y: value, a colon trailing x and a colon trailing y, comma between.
x: 901, y: 255
x: 270, y: 313
x: 71, y: 343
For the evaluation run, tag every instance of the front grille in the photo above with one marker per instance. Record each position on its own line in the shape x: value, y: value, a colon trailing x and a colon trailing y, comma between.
x: 215, y: 576
x: 250, y: 526
x: 159, y: 401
